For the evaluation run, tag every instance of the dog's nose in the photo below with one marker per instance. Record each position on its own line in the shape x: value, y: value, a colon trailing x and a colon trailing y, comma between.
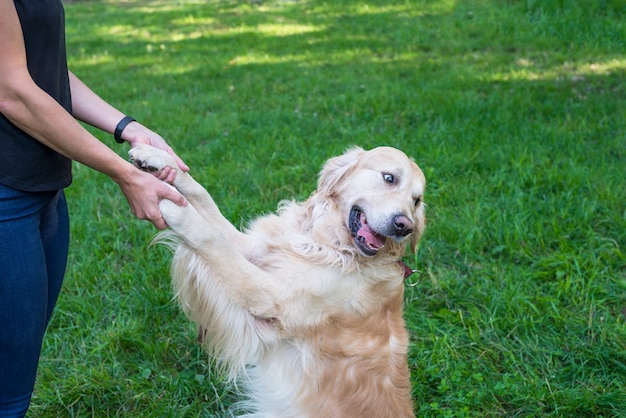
x: 402, y: 225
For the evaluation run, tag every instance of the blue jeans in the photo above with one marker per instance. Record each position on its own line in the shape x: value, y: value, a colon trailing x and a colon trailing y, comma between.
x: 34, y: 241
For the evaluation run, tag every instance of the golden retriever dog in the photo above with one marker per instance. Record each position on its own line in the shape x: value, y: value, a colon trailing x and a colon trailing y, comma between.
x: 304, y: 308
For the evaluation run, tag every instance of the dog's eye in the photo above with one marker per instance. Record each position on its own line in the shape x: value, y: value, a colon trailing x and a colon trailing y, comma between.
x: 417, y: 201
x: 389, y: 178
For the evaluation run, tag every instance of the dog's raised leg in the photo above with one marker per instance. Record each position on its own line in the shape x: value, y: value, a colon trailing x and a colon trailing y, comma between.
x: 231, y: 299
x: 152, y: 159
x: 200, y: 229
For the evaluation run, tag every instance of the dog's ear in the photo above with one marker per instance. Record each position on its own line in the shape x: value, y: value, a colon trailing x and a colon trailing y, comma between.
x: 335, y: 170
x: 420, y: 225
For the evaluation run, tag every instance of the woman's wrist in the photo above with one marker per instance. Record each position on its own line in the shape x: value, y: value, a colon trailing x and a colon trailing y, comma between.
x: 119, y: 129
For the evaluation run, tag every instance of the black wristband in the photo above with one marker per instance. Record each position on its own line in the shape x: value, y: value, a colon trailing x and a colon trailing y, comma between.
x: 120, y: 127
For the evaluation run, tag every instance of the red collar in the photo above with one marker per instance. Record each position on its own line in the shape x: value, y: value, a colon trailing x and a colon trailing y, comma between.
x: 407, y: 270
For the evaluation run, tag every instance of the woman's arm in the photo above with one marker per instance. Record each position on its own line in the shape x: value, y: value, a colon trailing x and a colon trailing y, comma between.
x: 88, y: 107
x: 36, y: 113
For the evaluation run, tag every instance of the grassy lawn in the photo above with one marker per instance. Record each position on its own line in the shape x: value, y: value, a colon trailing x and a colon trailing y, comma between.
x: 516, y: 112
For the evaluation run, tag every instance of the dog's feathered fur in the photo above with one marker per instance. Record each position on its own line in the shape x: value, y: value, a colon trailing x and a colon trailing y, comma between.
x: 304, y: 308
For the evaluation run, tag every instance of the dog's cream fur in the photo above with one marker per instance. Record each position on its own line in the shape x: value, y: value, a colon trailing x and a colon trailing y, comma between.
x: 301, y: 312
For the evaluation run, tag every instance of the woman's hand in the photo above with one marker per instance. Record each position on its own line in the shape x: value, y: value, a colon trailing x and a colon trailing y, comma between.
x: 144, y: 192
x: 135, y: 133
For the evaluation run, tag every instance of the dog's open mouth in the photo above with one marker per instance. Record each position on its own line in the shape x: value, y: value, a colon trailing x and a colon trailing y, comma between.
x: 365, y: 238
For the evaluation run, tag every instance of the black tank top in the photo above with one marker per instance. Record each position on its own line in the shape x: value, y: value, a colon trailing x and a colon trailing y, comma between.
x: 25, y: 163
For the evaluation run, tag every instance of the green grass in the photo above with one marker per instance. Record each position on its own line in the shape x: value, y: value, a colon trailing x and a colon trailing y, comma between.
x: 515, y: 110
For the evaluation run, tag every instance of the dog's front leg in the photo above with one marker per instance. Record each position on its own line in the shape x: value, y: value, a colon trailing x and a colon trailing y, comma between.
x: 152, y: 159
x: 248, y: 286
x: 234, y: 302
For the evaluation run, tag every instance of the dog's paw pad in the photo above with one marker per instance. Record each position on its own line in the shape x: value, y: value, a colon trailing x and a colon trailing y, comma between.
x: 150, y: 159
x: 144, y: 165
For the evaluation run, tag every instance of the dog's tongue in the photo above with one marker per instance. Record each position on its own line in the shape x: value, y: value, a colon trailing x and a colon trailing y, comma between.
x: 372, y: 238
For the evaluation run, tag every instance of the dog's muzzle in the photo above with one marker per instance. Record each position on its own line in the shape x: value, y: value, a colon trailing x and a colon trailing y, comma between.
x: 366, y: 239
x: 369, y: 241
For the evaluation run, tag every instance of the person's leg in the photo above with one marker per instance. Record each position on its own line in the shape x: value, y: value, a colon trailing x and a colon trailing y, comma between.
x: 55, y: 236
x: 33, y: 251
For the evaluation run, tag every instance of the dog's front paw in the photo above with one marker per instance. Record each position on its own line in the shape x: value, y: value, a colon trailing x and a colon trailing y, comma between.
x: 150, y: 159
x: 172, y: 213
x: 180, y: 218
